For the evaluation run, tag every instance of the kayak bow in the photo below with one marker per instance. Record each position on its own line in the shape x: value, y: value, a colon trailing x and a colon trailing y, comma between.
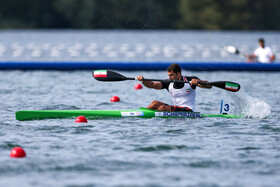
x: 142, y: 112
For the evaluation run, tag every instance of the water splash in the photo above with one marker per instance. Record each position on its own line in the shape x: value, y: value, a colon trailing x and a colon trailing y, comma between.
x: 249, y: 107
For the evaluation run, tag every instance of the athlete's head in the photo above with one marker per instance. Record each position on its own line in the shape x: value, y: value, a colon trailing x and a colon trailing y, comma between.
x: 174, y: 72
x: 261, y: 42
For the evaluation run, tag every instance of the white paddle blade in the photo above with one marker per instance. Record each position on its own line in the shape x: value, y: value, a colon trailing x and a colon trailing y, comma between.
x: 231, y: 49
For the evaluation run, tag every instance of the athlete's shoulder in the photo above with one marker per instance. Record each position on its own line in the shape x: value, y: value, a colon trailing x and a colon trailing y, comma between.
x: 268, y: 49
x: 189, y: 78
x: 258, y: 50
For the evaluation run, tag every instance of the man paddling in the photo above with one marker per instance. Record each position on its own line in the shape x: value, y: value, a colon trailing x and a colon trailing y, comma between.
x: 182, y: 94
x: 262, y: 53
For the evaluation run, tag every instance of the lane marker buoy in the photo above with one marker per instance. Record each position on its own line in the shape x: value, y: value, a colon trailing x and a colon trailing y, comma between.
x: 138, y: 86
x: 115, y: 99
x: 17, y: 152
x: 81, y: 119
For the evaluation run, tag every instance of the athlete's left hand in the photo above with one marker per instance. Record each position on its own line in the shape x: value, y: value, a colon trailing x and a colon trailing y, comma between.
x: 194, y: 82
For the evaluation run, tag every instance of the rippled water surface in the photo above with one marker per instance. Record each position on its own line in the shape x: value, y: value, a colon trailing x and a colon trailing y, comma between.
x: 135, y: 151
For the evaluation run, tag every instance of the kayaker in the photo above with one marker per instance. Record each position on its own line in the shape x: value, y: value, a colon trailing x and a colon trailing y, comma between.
x: 262, y: 54
x: 182, y: 94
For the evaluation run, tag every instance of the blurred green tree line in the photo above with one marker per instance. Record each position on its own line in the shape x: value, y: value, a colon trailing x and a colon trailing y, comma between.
x: 141, y: 14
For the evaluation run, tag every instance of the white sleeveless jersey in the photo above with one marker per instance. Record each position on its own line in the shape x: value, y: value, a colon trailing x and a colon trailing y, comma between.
x: 263, y: 54
x: 183, y: 97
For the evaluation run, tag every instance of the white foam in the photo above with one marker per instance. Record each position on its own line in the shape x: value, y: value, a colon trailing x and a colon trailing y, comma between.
x: 249, y: 107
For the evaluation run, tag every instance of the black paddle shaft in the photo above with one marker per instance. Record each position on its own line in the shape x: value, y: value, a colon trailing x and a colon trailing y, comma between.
x: 114, y: 76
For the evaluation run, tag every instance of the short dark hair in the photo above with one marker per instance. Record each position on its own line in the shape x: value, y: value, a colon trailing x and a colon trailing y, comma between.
x: 175, y: 68
x: 261, y: 40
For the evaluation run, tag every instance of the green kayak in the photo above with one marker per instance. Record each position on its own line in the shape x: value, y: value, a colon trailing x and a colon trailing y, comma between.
x: 142, y: 112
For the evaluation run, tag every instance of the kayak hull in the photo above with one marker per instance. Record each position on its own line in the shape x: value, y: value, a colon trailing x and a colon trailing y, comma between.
x: 142, y: 112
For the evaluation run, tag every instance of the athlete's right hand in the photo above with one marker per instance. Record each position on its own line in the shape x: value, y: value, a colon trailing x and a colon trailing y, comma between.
x: 140, y: 78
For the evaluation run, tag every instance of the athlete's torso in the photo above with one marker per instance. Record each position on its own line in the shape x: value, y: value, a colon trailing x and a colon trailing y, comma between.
x: 263, y: 54
x: 182, y: 94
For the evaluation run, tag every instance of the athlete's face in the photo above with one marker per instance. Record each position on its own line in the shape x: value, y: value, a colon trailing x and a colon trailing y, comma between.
x: 174, y: 76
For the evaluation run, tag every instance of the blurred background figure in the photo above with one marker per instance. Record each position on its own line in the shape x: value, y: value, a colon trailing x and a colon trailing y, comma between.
x: 262, y: 54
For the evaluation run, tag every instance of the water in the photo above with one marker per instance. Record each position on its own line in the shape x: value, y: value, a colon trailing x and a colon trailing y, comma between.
x: 135, y: 151
x: 130, y: 46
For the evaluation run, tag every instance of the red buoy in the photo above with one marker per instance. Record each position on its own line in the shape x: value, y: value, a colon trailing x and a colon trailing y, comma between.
x: 81, y: 119
x: 17, y: 152
x: 138, y: 86
x: 115, y: 99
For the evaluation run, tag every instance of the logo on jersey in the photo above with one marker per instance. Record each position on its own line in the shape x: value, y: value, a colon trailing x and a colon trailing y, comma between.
x: 187, y: 90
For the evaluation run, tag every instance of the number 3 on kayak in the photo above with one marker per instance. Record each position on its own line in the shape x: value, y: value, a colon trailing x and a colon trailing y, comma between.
x: 225, y: 107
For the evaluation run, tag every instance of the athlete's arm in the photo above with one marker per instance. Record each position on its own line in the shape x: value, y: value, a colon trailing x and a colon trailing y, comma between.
x: 251, y: 57
x: 272, y: 58
x: 194, y: 82
x: 150, y: 84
